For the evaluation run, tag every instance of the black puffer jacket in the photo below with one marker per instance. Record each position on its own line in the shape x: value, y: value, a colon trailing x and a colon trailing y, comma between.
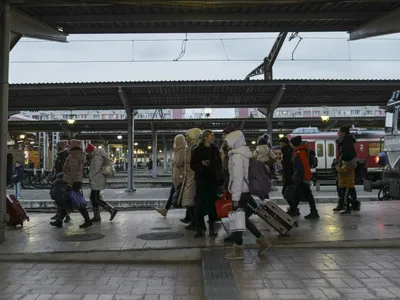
x: 287, y: 162
x: 347, y: 151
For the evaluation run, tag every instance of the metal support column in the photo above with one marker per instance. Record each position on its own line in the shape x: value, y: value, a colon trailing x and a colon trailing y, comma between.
x: 131, y: 149
x: 269, y: 118
x: 5, y: 24
x: 55, y: 138
x: 43, y: 150
x: 165, y: 153
x: 154, y: 149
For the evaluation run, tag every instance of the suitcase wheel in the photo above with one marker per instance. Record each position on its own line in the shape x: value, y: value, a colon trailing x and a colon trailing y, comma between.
x: 296, y: 224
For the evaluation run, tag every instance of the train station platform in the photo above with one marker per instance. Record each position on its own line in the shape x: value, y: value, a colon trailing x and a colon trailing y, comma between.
x: 148, y: 198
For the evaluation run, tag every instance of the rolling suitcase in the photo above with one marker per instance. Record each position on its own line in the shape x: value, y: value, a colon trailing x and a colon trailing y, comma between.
x: 275, y: 217
x: 17, y: 214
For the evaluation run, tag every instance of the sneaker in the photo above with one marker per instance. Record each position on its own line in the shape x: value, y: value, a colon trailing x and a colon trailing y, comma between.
x: 346, y: 212
x: 236, y: 254
x: 55, y: 217
x: 113, y: 214
x: 162, y: 211
x: 199, y: 234
x: 312, y: 216
x: 67, y: 219
x: 338, y: 208
x: 57, y: 224
x: 87, y: 224
x: 186, y: 221
x: 213, y: 233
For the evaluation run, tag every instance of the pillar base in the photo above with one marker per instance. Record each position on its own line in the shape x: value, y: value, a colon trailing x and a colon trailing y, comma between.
x: 130, y: 190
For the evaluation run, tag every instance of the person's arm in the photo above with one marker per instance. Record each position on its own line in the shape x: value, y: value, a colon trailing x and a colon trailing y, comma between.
x: 303, y: 156
x: 255, y: 154
x: 236, y: 177
x: 195, y: 160
x: 96, y: 165
x: 180, y: 158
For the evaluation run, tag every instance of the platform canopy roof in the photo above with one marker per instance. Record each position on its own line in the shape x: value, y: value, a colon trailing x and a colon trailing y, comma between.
x: 200, y: 94
x: 136, y: 16
x: 184, y: 124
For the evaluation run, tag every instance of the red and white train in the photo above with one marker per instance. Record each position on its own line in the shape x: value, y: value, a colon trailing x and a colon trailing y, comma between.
x: 369, y: 144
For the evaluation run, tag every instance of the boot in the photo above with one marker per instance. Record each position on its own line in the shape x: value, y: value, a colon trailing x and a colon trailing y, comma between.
x: 96, y: 215
x: 107, y: 207
x: 162, y: 211
x: 85, y: 215
x: 312, y: 216
x: 55, y: 217
x: 67, y: 219
x: 57, y: 223
x: 186, y: 219
x: 264, y: 244
x: 211, y: 231
x: 113, y: 213
x: 237, y: 253
x: 346, y: 212
x: 339, y: 208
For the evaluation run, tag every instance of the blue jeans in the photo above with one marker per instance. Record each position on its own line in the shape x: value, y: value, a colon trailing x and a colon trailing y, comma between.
x: 18, y: 190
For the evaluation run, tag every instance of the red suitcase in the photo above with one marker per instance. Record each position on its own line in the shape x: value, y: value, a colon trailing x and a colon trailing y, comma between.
x: 17, y: 214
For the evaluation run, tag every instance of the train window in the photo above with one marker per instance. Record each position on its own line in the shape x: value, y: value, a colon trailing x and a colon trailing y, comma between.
x: 374, y: 148
x: 320, y: 150
x: 331, y: 150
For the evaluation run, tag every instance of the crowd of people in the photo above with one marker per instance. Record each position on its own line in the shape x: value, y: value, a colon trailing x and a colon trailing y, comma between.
x: 67, y: 175
x: 202, y: 173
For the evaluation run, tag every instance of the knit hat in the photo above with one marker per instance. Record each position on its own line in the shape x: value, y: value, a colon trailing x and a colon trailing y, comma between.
x: 229, y: 129
x: 75, y: 144
x: 62, y: 145
x: 90, y: 148
x: 194, y: 134
x: 296, y: 141
x: 284, y: 140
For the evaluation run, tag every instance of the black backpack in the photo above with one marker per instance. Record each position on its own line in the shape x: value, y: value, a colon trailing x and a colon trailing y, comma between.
x: 312, y: 158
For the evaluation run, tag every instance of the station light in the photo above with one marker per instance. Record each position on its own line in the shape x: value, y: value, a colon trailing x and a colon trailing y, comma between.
x: 325, y: 118
x: 71, y: 121
x: 160, y: 151
x: 281, y: 135
x: 253, y: 142
x: 135, y: 144
x: 100, y: 147
x: 149, y: 147
x: 22, y: 136
x: 119, y: 137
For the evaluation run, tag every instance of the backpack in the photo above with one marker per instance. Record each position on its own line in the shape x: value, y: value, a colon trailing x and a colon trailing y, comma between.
x: 312, y: 158
x: 108, y: 168
x: 259, y: 179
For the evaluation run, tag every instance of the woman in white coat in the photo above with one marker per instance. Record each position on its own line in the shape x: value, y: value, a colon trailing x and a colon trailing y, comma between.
x: 239, y: 156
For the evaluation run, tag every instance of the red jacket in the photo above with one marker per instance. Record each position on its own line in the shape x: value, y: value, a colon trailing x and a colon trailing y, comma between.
x: 301, y: 165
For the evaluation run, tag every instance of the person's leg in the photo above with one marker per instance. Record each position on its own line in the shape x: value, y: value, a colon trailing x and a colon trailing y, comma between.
x: 355, y: 204
x: 164, y: 210
x: 107, y: 207
x: 86, y: 217
x: 19, y: 190
x: 186, y: 219
x: 95, y: 205
x: 61, y: 214
x: 340, y: 205
x: 307, y: 193
x: 347, y: 202
x: 238, y: 249
x: 201, y: 198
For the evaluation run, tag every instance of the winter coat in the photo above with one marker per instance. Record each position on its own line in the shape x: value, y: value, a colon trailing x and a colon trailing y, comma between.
x: 225, y: 165
x: 188, y: 190
x: 178, y: 162
x: 18, y: 174
x: 238, y: 164
x: 264, y: 154
x: 347, y: 151
x: 346, y: 172
x: 287, y: 162
x: 211, y: 174
x: 73, y: 167
x: 97, y: 181
x: 301, y: 166
x: 60, y: 161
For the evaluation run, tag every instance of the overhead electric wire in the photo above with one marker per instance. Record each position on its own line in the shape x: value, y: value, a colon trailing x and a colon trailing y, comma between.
x: 199, y: 60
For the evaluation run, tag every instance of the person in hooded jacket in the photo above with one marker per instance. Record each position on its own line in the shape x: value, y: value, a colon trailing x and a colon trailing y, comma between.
x: 239, y: 161
x: 207, y: 165
x: 62, y: 155
x: 188, y: 190
x: 98, y: 181
x: 17, y: 178
x: 73, y: 177
x: 302, y: 177
x: 177, y: 171
x: 346, y: 165
x: 265, y: 154
x: 225, y: 156
x: 287, y: 177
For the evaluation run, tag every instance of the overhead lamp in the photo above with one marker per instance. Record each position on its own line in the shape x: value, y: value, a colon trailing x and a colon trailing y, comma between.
x: 100, y: 147
x: 22, y: 136
x: 325, y: 118
x: 253, y: 142
x: 135, y: 144
x: 117, y: 149
x: 281, y: 135
x: 160, y: 151
x: 149, y: 147
x: 71, y: 121
x: 119, y: 137
x: 32, y: 142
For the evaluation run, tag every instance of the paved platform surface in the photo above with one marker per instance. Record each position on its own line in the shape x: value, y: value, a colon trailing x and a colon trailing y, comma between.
x: 153, y: 197
x: 329, y: 274
x: 101, y: 282
x: 377, y: 220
